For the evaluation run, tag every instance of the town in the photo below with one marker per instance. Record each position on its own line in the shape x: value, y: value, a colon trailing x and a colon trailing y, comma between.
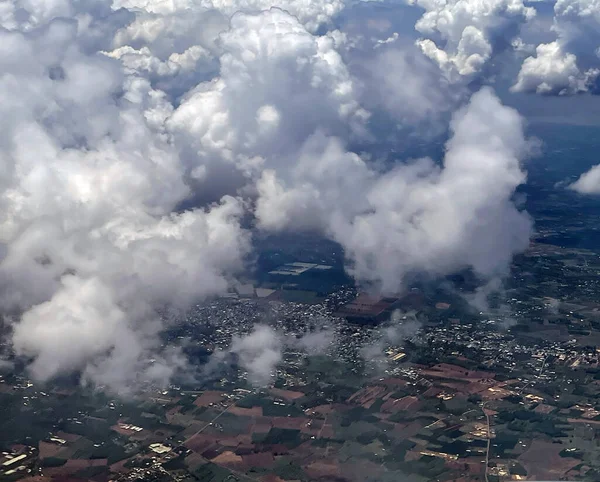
x: 418, y: 387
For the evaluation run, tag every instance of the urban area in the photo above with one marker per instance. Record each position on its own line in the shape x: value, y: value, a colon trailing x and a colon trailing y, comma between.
x: 418, y: 387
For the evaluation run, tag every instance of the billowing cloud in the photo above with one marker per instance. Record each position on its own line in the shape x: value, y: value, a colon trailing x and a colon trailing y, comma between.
x: 401, y: 326
x: 553, y: 72
x: 315, y: 343
x: 418, y: 216
x: 117, y: 118
x: 311, y: 14
x: 97, y: 163
x: 569, y: 64
x: 278, y: 84
x: 461, y: 36
x: 398, y: 80
x: 259, y: 353
x: 179, y: 43
x: 92, y: 242
x: 490, y: 299
x: 588, y: 182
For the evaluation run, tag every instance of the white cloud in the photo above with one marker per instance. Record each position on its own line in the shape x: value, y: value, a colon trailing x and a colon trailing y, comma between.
x: 569, y: 64
x: 399, y: 80
x: 278, y: 84
x: 94, y: 175
x: 311, y: 14
x: 259, y: 353
x: 113, y: 119
x: 176, y: 38
x: 315, y: 343
x: 588, y: 182
x: 553, y: 72
x: 80, y: 322
x: 418, y: 216
x: 577, y: 9
x: 461, y: 36
x: 92, y: 245
x: 401, y: 326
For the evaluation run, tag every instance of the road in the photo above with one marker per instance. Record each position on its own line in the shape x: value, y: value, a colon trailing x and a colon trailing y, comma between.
x: 538, y: 375
x: 201, y: 429
x: 489, y: 441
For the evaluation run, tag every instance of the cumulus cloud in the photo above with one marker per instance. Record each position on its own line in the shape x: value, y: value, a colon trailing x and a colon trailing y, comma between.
x: 315, y: 343
x: 399, y: 80
x: 401, y: 326
x: 258, y: 353
x: 278, y: 83
x: 311, y: 14
x: 179, y: 43
x: 118, y: 118
x: 554, y: 72
x: 588, y: 182
x: 461, y: 36
x: 92, y: 243
x: 491, y: 299
x: 418, y: 216
x: 567, y: 65
x: 97, y: 162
